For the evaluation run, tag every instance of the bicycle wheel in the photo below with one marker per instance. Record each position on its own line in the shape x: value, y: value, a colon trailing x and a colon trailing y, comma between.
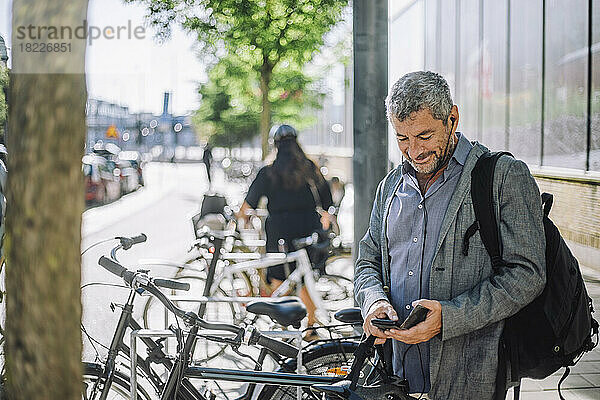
x: 92, y: 385
x: 332, y: 359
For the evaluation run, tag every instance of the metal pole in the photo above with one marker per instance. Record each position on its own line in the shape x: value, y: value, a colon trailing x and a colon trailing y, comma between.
x: 370, y: 160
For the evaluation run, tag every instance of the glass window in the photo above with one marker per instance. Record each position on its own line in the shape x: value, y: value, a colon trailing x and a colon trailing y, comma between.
x: 406, y: 43
x: 525, y: 112
x: 396, y: 6
x: 431, y: 38
x: 448, y: 27
x: 595, y: 110
x: 565, y: 109
x: 468, y: 82
x: 406, y: 47
x: 493, y: 74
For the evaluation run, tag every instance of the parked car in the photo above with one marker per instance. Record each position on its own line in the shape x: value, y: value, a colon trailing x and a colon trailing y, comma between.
x: 129, y: 178
x: 134, y: 158
x: 102, y: 185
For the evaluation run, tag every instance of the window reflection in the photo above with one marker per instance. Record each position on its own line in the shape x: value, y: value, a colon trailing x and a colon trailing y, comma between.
x: 565, y: 108
x: 468, y: 89
x: 493, y: 74
x: 525, y: 110
x: 595, y: 97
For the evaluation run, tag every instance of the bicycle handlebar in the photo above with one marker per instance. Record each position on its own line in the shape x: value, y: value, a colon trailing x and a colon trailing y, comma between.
x: 210, y: 234
x: 306, y: 241
x: 117, y: 269
x: 276, y: 346
x: 171, y: 284
x: 256, y: 337
x: 128, y: 242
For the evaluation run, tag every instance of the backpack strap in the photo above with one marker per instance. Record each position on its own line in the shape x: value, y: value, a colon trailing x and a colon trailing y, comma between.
x: 547, y: 200
x: 482, y: 192
x: 564, y: 376
x: 517, y: 392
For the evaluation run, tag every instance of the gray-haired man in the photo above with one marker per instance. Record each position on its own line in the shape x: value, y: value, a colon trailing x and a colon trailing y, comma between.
x: 412, y: 252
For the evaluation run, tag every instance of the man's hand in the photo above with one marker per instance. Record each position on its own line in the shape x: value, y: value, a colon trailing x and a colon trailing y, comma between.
x: 379, y: 309
x: 425, y: 330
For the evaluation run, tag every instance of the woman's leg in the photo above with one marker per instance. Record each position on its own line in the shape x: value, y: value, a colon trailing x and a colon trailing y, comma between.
x: 310, y: 306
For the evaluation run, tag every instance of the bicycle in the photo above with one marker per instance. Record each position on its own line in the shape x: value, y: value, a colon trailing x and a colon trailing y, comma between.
x: 238, y: 280
x: 176, y: 386
x: 104, y: 378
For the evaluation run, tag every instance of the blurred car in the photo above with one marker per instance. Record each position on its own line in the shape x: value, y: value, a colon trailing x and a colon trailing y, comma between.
x: 132, y: 160
x: 102, y: 185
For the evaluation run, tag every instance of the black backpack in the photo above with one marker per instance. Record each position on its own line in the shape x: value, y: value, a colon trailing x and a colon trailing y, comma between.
x: 556, y: 328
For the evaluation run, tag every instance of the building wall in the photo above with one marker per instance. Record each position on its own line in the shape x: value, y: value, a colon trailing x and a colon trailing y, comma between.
x: 526, y: 78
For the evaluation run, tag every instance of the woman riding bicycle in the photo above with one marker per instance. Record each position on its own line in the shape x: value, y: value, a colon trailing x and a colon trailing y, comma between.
x: 295, y: 188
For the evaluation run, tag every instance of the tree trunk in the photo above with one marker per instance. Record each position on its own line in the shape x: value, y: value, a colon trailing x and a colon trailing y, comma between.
x: 45, y: 195
x: 265, y: 116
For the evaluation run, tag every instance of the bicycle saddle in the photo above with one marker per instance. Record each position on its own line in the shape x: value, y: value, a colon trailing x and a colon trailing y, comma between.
x: 349, y: 316
x: 341, y: 390
x: 285, y: 310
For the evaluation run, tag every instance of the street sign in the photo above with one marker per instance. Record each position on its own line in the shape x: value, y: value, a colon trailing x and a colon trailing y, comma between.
x: 112, y: 132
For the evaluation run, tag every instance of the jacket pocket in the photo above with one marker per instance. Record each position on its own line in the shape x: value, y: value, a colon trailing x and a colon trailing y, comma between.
x: 481, y: 354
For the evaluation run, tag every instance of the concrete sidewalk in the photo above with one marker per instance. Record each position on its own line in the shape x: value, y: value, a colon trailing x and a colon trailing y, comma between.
x: 584, y: 380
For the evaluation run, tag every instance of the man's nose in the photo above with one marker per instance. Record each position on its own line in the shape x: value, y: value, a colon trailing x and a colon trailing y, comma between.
x: 414, y: 149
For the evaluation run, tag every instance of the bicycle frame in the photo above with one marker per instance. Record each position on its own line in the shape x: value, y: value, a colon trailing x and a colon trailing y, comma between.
x: 230, y: 375
x: 178, y: 383
x: 302, y: 275
x: 155, y: 350
x: 181, y: 387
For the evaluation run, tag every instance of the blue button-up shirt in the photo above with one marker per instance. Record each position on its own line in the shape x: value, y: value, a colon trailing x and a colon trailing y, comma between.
x: 413, y: 230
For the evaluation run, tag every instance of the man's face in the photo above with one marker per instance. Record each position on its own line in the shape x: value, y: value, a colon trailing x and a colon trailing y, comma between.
x: 424, y: 141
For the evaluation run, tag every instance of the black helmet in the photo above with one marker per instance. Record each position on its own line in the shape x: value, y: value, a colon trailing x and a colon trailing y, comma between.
x: 282, y: 132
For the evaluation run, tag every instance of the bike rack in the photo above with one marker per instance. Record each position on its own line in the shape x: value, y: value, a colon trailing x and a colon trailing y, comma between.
x: 141, y: 333
x: 155, y: 333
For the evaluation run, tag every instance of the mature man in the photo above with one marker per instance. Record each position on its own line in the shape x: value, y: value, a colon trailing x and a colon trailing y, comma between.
x: 413, y: 250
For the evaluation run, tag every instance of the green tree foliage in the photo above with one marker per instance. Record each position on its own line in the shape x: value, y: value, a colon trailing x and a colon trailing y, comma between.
x: 231, y: 102
x: 3, y: 90
x: 269, y: 40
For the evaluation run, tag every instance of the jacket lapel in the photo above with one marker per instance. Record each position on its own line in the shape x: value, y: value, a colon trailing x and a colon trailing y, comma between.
x: 462, y: 189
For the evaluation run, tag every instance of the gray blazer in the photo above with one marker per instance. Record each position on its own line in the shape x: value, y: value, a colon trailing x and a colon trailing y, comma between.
x: 474, y: 299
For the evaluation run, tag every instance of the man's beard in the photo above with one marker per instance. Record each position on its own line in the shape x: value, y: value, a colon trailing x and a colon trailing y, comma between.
x: 437, y: 162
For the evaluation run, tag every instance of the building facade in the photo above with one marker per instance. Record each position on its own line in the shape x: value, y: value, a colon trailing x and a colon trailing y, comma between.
x: 526, y: 78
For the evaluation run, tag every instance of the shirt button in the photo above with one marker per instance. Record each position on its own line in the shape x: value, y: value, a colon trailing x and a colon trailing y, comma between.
x: 408, y: 306
x: 410, y: 273
x: 420, y: 206
x: 415, y: 240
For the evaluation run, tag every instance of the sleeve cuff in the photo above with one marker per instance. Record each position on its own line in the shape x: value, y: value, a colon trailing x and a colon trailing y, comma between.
x: 371, y: 299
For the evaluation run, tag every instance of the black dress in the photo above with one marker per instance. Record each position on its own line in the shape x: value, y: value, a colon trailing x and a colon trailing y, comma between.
x: 292, y: 213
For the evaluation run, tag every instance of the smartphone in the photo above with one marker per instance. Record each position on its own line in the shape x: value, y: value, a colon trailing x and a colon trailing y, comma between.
x: 385, y: 324
x: 416, y: 316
